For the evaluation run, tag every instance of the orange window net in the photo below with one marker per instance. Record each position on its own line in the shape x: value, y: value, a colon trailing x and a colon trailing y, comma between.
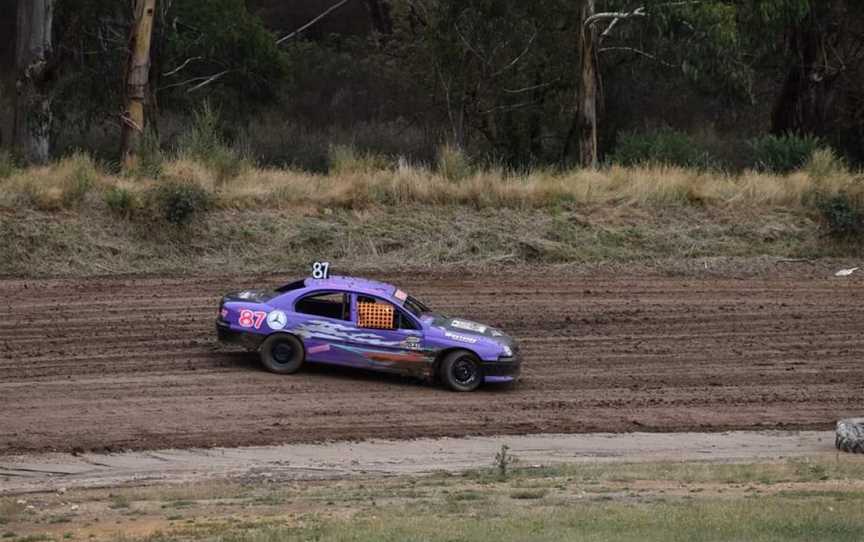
x: 375, y: 315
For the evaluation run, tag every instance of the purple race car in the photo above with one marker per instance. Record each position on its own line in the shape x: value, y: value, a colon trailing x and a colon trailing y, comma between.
x: 365, y: 324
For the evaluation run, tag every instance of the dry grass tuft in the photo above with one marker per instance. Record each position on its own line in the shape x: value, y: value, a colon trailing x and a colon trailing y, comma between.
x: 359, y: 181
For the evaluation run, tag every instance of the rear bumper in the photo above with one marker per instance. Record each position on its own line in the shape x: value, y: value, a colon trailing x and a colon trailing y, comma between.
x: 502, y: 371
x: 225, y: 334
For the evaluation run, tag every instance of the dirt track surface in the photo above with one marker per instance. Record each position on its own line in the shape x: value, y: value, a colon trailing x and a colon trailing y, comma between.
x: 131, y: 363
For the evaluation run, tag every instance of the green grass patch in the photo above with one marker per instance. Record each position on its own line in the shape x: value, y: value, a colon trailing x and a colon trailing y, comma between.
x: 62, y: 518
x: 119, y: 502
x: 793, y: 470
x: 769, y: 519
x: 528, y: 494
x: 822, y: 500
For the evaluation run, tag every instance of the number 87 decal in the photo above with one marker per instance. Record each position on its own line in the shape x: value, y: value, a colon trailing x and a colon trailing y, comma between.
x: 251, y: 319
x: 321, y: 270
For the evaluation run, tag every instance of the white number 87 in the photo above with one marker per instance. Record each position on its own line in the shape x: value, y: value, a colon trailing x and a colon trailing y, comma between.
x: 321, y: 270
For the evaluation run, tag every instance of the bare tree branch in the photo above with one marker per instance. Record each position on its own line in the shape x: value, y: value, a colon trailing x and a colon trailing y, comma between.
x: 182, y: 66
x: 201, y: 82
x: 518, y: 58
x: 312, y: 23
x: 506, y: 107
x: 468, y: 45
x: 529, y: 89
x: 615, y: 16
x: 618, y: 16
x: 638, y: 52
x: 208, y: 80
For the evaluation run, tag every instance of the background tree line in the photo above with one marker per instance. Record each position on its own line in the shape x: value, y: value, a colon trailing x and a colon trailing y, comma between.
x: 560, y: 82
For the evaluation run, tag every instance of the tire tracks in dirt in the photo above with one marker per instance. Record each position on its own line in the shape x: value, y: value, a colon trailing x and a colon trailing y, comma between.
x: 132, y: 363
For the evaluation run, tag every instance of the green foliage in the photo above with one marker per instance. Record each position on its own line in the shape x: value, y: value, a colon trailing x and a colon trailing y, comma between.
x: 452, y: 163
x: 205, y: 136
x: 783, y: 154
x: 345, y: 159
x: 824, y: 164
x: 206, y: 143
x: 664, y: 146
x: 80, y: 181
x: 150, y: 156
x: 221, y: 37
x: 499, y: 71
x: 843, y: 215
x: 179, y: 202
x: 8, y: 164
x: 89, y: 89
x: 504, y: 460
x: 120, y: 201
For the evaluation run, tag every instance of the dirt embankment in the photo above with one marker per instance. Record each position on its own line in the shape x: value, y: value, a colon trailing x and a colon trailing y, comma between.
x: 131, y: 363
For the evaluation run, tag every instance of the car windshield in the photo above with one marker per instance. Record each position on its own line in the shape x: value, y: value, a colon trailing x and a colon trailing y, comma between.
x: 415, y: 307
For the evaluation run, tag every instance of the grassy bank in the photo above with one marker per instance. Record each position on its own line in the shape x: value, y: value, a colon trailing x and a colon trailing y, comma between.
x: 792, y: 500
x: 74, y: 217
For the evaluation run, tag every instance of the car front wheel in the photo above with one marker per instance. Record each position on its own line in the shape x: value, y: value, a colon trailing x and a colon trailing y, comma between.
x: 282, y: 354
x: 461, y: 371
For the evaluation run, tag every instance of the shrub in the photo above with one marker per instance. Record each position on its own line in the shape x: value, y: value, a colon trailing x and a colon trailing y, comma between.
x: 150, y: 158
x: 345, y: 159
x: 120, y: 201
x: 666, y: 146
x: 80, y: 181
x: 204, y: 142
x: 843, y: 214
x: 7, y: 164
x: 504, y: 460
x: 824, y: 164
x: 452, y: 163
x: 782, y: 154
x: 205, y: 136
x: 179, y: 202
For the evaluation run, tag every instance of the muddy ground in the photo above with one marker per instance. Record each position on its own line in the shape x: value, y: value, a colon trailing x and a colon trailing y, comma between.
x: 105, y: 364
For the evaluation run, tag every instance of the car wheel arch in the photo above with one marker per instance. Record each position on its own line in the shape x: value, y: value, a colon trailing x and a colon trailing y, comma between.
x: 282, y: 333
x: 436, y: 365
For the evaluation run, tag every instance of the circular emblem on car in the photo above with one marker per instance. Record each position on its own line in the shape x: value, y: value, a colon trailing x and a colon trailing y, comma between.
x: 277, y: 320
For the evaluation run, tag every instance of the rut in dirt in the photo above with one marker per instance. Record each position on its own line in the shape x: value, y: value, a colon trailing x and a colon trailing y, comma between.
x: 132, y: 363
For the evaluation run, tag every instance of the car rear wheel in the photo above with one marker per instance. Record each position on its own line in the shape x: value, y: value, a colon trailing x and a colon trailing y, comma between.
x: 461, y: 371
x: 282, y: 354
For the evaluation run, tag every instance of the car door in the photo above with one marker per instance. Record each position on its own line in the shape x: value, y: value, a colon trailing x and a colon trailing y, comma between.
x: 326, y: 326
x: 387, y: 337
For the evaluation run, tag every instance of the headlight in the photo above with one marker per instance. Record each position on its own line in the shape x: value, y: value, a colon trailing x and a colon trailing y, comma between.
x: 508, y: 352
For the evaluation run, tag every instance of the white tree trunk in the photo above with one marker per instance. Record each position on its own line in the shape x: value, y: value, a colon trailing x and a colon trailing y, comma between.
x: 33, y: 53
x: 138, y: 82
x: 586, y: 97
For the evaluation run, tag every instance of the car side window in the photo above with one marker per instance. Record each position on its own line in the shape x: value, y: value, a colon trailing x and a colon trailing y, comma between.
x: 374, y: 313
x: 327, y: 304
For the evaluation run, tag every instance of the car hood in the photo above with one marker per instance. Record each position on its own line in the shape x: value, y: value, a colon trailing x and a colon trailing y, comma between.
x: 467, y: 327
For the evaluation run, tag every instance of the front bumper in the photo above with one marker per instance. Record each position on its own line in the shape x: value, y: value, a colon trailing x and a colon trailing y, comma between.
x: 502, y: 371
x: 225, y: 334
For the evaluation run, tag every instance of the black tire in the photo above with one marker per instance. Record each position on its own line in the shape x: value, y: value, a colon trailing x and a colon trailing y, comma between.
x: 850, y: 436
x: 282, y: 354
x: 461, y: 371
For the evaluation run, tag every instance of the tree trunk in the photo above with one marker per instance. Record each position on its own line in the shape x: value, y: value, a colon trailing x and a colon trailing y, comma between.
x: 584, y: 127
x: 806, y: 104
x: 33, y: 50
x: 137, y: 88
x: 379, y: 14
